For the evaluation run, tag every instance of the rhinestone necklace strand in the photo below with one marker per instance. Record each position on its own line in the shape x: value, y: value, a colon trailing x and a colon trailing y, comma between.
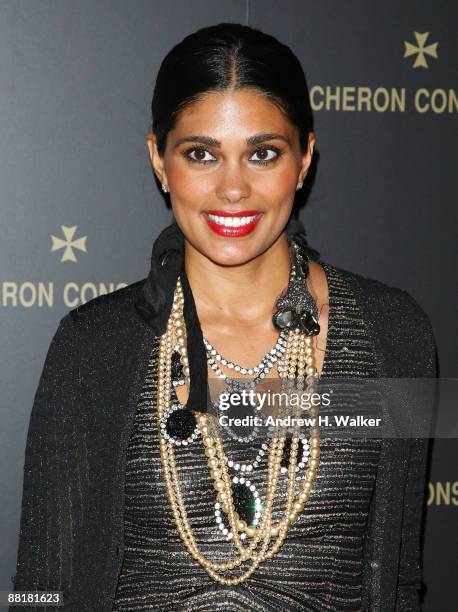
x: 263, y: 367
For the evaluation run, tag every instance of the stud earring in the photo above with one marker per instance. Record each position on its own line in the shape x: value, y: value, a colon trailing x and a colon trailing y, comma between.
x: 299, y: 185
x: 165, y: 189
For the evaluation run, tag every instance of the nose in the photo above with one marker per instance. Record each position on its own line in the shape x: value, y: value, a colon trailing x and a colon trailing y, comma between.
x: 232, y: 185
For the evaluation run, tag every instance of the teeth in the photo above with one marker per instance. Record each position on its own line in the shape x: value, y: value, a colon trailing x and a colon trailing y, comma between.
x: 231, y: 221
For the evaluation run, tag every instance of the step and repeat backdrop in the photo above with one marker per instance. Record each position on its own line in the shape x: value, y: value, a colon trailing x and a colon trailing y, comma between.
x: 80, y: 208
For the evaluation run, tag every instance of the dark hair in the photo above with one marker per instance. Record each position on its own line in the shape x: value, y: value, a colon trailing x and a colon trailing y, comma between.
x: 230, y: 56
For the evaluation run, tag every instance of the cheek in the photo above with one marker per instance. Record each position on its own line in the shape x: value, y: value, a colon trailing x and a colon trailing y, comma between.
x: 189, y: 187
x: 275, y: 186
x: 277, y: 196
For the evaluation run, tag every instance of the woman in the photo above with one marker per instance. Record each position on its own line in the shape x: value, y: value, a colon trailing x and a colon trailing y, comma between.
x: 130, y: 501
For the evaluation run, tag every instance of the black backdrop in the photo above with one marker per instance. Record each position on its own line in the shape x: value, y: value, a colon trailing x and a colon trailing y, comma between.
x: 80, y: 209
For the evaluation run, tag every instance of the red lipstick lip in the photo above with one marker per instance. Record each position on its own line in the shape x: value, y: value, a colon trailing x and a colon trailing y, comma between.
x: 233, y: 232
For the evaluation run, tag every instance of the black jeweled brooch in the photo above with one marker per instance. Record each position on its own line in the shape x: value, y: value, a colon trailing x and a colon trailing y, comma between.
x: 296, y: 308
x: 179, y: 425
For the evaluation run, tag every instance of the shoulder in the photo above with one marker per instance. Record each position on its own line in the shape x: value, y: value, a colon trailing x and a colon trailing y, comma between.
x: 396, y: 321
x: 112, y: 312
x: 109, y: 304
x: 387, y: 299
x: 95, y: 337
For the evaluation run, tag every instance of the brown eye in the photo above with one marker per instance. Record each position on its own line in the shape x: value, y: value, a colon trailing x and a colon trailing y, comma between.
x: 198, y: 155
x: 266, y: 155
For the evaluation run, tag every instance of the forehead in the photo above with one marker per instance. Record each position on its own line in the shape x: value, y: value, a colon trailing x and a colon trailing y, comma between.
x: 232, y: 114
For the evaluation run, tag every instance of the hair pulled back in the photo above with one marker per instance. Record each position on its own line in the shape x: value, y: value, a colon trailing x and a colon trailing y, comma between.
x: 230, y: 56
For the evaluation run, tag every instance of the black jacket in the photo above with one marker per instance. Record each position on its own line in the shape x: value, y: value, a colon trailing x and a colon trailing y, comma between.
x: 71, y: 530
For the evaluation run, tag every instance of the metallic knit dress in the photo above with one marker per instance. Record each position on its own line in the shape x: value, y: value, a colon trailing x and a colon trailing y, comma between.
x: 318, y: 568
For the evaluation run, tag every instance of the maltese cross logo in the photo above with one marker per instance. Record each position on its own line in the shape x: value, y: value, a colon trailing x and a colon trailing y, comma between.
x: 420, y: 50
x: 68, y: 244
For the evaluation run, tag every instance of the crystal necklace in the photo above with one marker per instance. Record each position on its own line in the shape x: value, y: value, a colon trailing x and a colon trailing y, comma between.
x: 263, y: 367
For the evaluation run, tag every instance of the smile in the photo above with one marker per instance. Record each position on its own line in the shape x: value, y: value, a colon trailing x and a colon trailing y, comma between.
x: 232, y: 224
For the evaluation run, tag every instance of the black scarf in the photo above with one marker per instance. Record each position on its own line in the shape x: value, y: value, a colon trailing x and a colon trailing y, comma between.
x: 155, y: 303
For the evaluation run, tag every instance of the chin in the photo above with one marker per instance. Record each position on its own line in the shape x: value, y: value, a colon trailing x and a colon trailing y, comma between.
x: 229, y: 254
x: 233, y: 251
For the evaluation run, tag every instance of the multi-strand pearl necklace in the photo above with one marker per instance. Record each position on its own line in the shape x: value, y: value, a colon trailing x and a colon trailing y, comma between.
x: 266, y: 538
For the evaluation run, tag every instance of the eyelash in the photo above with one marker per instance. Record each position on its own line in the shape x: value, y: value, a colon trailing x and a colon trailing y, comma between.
x: 208, y: 161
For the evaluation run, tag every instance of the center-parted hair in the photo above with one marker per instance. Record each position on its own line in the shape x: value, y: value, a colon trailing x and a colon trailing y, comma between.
x: 226, y: 57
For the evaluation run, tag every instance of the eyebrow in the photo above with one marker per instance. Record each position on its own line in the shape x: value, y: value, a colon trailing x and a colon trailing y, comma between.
x: 252, y: 140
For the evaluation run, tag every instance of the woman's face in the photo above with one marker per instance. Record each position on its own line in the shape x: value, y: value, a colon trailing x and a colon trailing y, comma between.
x: 232, y: 164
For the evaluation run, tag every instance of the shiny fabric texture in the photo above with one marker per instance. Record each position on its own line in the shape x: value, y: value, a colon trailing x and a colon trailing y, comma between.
x: 72, y: 519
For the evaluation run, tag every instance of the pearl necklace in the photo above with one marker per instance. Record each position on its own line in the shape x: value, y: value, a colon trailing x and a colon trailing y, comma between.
x: 267, y: 537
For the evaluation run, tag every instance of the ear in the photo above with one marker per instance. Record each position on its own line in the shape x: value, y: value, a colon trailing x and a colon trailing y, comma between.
x: 308, y: 155
x: 156, y: 160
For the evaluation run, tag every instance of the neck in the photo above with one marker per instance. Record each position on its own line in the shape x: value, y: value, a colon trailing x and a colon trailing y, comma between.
x: 244, y: 294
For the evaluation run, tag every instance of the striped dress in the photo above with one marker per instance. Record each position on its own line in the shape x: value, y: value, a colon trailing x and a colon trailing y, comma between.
x: 318, y: 568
